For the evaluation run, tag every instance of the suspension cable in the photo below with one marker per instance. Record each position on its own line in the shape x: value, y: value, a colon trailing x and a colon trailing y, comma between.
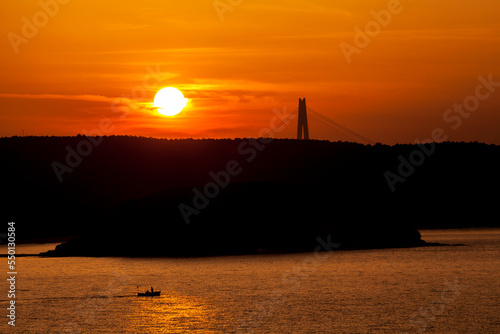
x: 280, y: 124
x: 340, y: 126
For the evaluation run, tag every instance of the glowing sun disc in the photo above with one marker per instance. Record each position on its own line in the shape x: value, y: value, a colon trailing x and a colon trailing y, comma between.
x: 169, y: 101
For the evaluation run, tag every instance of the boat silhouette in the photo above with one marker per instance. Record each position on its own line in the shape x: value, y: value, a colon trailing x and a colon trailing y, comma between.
x: 149, y: 293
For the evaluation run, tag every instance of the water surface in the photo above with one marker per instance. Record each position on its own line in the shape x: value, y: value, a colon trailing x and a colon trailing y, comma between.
x: 432, y: 289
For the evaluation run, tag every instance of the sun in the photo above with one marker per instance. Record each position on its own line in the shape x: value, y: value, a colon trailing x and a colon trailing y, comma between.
x: 169, y: 101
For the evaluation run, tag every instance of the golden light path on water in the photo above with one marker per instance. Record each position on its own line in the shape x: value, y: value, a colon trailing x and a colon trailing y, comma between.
x: 172, y: 314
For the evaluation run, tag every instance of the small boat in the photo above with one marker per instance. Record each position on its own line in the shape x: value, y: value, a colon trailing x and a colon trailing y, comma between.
x: 149, y: 294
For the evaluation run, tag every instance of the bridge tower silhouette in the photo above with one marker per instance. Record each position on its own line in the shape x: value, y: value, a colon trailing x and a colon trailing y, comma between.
x: 302, y: 126
x: 302, y: 113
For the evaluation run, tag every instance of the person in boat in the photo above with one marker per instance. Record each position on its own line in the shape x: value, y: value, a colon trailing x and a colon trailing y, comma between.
x: 152, y: 291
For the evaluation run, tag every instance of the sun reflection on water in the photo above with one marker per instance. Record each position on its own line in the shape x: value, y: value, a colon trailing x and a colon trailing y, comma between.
x: 172, y: 314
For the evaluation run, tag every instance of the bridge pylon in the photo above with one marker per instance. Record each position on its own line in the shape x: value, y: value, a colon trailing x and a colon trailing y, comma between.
x: 302, y: 128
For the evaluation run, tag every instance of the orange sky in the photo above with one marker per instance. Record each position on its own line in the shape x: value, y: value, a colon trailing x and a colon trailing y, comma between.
x: 90, y: 60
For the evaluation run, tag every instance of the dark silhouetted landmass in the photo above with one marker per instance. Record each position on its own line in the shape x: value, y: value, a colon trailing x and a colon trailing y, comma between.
x: 123, y: 197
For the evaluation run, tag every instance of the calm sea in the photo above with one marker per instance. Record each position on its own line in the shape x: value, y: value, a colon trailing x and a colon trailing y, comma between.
x: 446, y: 289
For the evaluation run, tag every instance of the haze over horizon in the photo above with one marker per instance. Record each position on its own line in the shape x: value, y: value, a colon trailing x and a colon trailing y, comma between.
x: 80, y: 62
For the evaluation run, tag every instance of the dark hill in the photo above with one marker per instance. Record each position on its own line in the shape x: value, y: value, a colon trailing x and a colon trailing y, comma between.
x: 125, y: 193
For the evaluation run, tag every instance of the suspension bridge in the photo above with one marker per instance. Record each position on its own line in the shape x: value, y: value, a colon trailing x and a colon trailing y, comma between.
x: 334, y: 131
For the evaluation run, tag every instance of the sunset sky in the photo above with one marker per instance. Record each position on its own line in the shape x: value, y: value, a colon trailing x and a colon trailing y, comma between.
x: 90, y: 60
